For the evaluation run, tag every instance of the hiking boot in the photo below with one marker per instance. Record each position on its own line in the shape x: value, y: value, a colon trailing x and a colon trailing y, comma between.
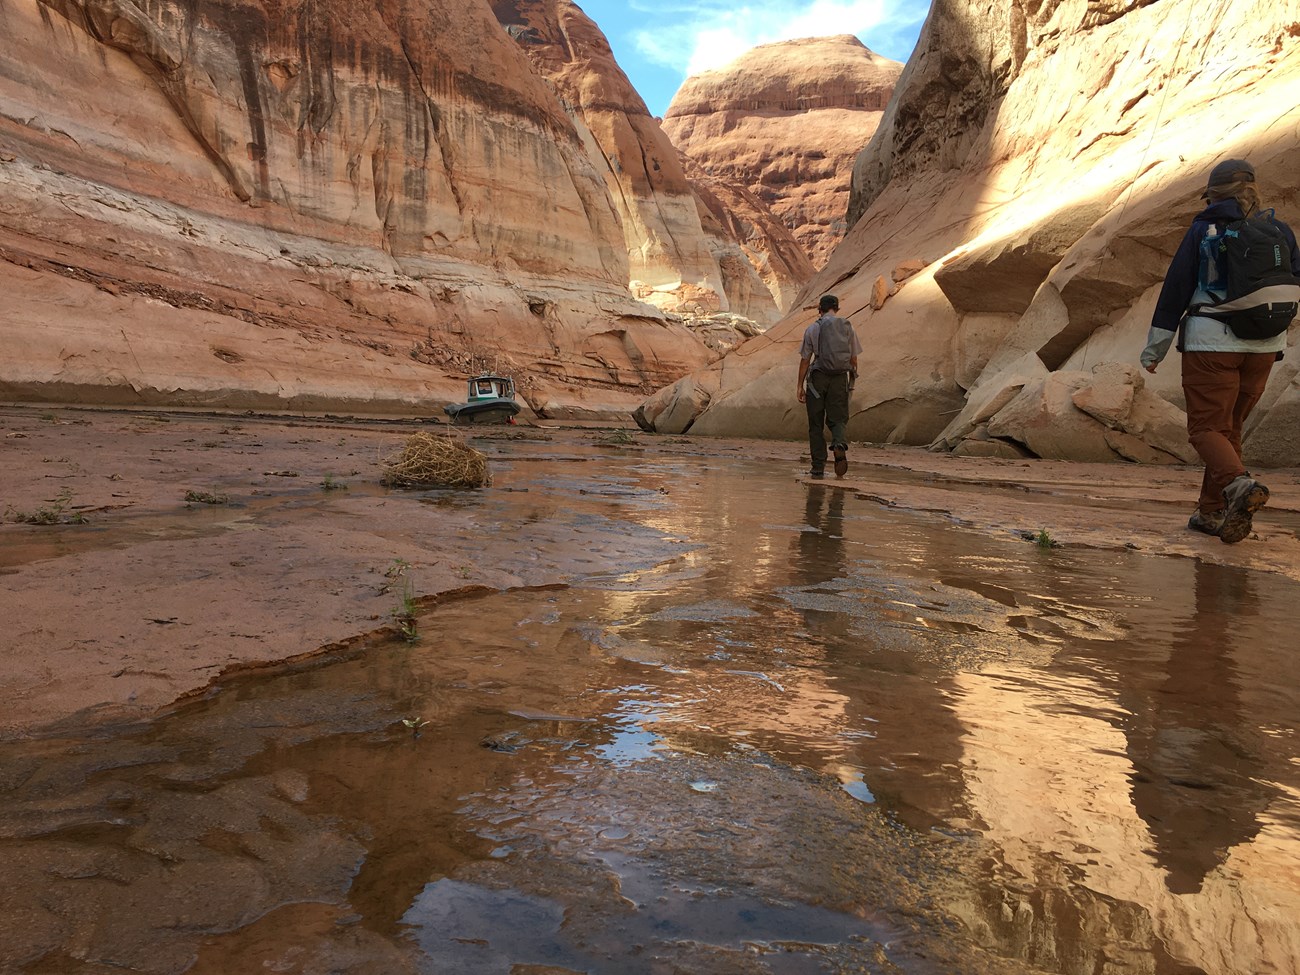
x: 816, y: 475
x: 1208, y: 524
x: 841, y: 459
x: 1244, y: 496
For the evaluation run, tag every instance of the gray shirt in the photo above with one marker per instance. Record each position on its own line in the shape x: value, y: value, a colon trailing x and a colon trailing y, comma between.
x: 812, y: 335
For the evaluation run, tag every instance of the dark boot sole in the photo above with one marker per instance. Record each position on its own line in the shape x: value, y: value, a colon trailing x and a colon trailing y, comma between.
x: 1241, y: 515
x: 841, y: 462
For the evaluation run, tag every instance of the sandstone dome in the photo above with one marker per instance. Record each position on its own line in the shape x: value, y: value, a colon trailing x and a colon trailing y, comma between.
x: 787, y: 120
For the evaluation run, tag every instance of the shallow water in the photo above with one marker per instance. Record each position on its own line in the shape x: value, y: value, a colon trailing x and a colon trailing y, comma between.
x: 826, y: 737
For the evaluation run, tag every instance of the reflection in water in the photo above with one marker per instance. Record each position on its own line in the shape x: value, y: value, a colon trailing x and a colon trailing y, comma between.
x: 1137, y: 776
x: 860, y: 741
x: 1195, y: 782
x: 820, y: 552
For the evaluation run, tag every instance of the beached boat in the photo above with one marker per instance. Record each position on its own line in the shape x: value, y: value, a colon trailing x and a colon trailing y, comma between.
x: 488, y: 399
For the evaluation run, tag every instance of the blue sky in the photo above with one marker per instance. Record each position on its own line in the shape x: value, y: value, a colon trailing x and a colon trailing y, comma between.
x: 659, y: 42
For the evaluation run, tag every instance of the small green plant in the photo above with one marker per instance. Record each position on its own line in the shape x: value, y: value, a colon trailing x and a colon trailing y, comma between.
x: 206, y: 497
x: 330, y: 484
x: 464, y: 571
x: 53, y: 514
x: 404, y: 612
x: 1044, y: 540
x: 406, y: 602
x: 415, y: 724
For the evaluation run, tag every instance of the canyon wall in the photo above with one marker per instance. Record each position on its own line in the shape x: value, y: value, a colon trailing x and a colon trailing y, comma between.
x: 787, y: 121
x: 1013, y: 219
x: 675, y: 261
x: 298, y: 205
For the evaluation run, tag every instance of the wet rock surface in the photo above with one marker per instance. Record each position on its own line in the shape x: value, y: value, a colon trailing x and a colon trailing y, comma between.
x: 677, y: 710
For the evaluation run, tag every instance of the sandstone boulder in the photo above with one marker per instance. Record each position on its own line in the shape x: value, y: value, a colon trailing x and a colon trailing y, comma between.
x: 1137, y: 450
x: 981, y: 443
x: 906, y: 269
x: 1273, y: 431
x: 987, y: 400
x: 1045, y: 420
x: 1108, y: 396
x: 673, y: 407
x: 880, y: 292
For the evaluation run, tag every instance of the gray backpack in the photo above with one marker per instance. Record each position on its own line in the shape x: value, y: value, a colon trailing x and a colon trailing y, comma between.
x: 834, y: 346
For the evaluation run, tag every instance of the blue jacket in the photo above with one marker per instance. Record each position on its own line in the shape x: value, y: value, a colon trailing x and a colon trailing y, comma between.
x: 1184, y: 286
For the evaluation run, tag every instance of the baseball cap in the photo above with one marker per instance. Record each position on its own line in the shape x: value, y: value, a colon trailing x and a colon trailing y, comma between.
x: 1229, y: 171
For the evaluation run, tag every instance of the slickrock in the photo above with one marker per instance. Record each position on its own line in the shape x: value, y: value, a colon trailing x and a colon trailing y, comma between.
x: 787, y: 120
x: 1043, y: 162
x: 328, y: 205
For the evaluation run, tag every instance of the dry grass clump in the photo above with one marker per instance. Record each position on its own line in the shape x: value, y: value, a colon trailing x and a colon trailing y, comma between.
x: 432, y: 461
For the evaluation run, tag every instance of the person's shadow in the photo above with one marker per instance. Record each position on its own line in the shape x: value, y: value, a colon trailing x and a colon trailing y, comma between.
x: 1196, y: 783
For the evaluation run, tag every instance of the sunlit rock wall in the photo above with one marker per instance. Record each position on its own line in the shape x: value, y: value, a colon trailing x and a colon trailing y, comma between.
x: 303, y: 205
x: 675, y: 261
x: 1015, y: 214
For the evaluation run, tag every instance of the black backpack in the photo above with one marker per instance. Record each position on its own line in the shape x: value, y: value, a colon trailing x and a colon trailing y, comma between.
x: 1263, y: 295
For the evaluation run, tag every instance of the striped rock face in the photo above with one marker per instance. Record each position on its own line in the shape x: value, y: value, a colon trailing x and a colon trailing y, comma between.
x: 305, y: 205
x: 695, y: 243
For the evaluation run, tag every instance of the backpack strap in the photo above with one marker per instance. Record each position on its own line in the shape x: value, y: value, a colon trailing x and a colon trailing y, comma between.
x: 821, y: 335
x: 1274, y: 294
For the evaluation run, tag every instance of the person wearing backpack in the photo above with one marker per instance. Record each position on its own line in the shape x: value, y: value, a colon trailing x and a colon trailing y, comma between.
x: 828, y: 367
x: 1231, y: 292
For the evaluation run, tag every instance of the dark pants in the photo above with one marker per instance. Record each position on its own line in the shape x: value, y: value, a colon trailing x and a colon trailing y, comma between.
x: 1221, y: 389
x: 829, y: 408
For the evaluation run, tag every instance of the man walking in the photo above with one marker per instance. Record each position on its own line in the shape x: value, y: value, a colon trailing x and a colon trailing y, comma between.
x: 1229, y: 341
x: 828, y: 366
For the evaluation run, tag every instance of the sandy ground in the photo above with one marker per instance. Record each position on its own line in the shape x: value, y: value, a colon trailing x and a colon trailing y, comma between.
x: 136, y: 597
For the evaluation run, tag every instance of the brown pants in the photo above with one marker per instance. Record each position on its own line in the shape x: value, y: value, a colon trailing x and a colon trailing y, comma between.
x: 1221, y: 389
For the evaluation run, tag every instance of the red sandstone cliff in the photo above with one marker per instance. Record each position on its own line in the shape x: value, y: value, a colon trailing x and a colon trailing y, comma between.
x: 675, y: 261
x: 303, y: 205
x: 787, y: 121
x: 1015, y: 214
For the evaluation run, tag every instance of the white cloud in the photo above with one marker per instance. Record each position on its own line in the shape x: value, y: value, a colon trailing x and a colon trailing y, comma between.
x: 697, y: 35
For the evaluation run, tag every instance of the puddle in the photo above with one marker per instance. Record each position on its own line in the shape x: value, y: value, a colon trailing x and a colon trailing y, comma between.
x: 827, y: 737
